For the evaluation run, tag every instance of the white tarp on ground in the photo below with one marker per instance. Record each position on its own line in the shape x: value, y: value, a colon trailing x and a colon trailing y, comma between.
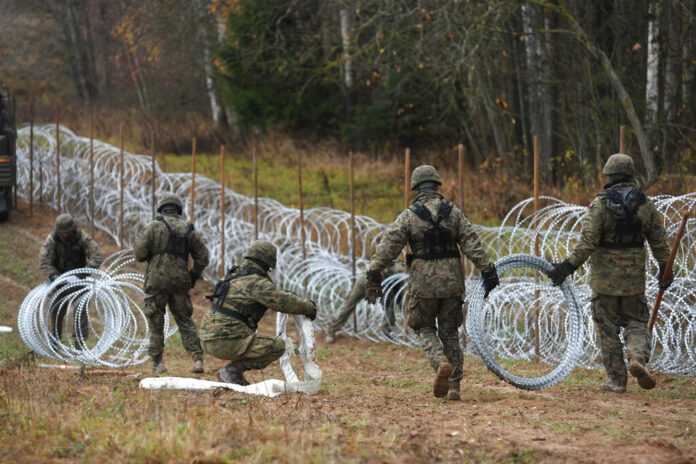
x: 270, y: 388
x: 5, y: 329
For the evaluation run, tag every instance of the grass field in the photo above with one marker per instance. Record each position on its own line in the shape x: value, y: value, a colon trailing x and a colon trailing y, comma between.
x: 375, y: 404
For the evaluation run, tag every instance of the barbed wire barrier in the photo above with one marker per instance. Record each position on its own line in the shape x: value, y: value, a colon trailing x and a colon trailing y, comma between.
x: 325, y: 275
x: 99, y: 311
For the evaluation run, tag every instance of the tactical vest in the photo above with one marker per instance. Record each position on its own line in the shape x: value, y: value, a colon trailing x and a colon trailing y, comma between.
x: 69, y: 254
x: 438, y: 242
x: 250, y: 314
x: 624, y: 204
x: 176, y: 245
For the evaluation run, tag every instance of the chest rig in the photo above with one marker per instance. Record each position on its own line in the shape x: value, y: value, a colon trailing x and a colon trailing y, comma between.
x: 70, y: 254
x: 176, y: 245
x: 623, y: 204
x: 438, y: 242
x: 250, y: 313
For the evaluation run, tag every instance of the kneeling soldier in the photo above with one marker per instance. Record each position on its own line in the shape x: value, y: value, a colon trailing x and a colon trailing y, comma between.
x: 228, y: 330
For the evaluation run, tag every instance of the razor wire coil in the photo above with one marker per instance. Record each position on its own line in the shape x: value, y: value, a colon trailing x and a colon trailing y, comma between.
x: 106, y: 299
x: 484, y: 327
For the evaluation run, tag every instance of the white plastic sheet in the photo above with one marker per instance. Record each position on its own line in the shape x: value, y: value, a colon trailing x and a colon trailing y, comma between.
x: 270, y: 388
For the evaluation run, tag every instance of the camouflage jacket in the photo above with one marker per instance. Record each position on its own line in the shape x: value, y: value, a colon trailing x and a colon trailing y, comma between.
x: 618, y: 271
x: 250, y: 291
x: 168, y: 273
x: 441, y: 278
x: 59, y: 255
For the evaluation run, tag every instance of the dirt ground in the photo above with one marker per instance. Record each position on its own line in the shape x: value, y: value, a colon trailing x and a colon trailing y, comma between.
x: 375, y: 404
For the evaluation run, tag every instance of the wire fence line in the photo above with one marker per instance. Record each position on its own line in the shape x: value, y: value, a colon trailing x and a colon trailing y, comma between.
x: 326, y: 274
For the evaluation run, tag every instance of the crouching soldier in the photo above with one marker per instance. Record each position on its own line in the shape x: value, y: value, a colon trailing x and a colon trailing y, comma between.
x: 228, y: 330
x: 65, y: 249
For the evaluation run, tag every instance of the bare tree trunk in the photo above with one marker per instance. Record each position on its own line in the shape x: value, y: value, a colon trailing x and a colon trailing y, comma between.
x: 203, y: 24
x: 346, y: 15
x: 653, y: 63
x: 688, y: 59
x: 672, y: 63
x: 78, y: 46
x: 538, y: 78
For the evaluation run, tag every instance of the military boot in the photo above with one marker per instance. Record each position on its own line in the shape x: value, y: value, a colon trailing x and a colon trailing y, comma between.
x: 453, y: 392
x: 614, y: 386
x: 330, y: 335
x: 158, y: 365
x: 641, y: 373
x: 233, y: 373
x: 441, y: 384
x: 197, y: 366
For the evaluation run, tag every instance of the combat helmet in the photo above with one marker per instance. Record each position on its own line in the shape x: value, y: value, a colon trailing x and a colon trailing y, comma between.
x: 65, y: 224
x: 170, y: 199
x: 263, y: 251
x: 619, y: 165
x: 423, y: 174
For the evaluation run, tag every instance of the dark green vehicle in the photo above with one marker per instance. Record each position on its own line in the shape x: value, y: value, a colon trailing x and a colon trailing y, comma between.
x: 8, y: 150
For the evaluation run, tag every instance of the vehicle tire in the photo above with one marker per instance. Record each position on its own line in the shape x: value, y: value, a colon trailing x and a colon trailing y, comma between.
x: 4, y: 216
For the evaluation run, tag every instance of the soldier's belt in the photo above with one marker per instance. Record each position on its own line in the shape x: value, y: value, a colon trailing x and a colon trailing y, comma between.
x: 431, y: 256
x: 621, y: 246
x: 235, y: 315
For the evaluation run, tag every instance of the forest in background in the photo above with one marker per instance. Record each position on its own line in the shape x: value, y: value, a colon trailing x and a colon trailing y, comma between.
x: 372, y: 76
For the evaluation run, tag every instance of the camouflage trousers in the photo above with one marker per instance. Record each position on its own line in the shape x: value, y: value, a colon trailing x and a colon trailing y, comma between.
x: 357, y: 293
x: 181, y: 309
x: 610, y: 314
x: 261, y: 352
x: 441, y: 343
x: 57, y: 317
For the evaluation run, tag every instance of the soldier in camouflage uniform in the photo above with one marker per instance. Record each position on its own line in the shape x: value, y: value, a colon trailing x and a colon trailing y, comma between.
x: 166, y: 244
x: 65, y: 249
x: 438, y: 234
x: 614, y: 230
x: 357, y: 293
x: 228, y: 330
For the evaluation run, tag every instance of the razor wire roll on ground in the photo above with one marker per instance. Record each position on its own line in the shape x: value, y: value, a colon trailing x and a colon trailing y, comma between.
x: 494, y: 321
x: 108, y: 300
x: 325, y: 275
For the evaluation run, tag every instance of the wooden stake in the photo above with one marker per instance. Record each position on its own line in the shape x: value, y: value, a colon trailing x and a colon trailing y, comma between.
x: 91, y: 172
x: 537, y: 312
x: 120, y: 191
x: 31, y: 156
x: 460, y: 175
x: 192, y: 210
x: 622, y: 139
x: 14, y: 120
x: 668, y: 270
x: 154, y: 173
x: 256, y: 197
x: 58, y: 193
x: 407, y: 176
x: 352, y: 230
x: 222, y: 211
x: 302, y: 223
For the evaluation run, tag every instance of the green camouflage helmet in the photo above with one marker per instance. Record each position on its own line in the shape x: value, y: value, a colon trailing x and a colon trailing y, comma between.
x: 423, y: 174
x: 65, y: 224
x: 170, y: 199
x: 263, y: 251
x: 619, y: 165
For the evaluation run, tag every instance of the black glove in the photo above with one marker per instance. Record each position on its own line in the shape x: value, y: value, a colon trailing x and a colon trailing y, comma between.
x: 490, y: 280
x: 373, y: 286
x: 194, y: 278
x: 664, y: 283
x: 313, y: 315
x: 53, y: 276
x: 560, y: 271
